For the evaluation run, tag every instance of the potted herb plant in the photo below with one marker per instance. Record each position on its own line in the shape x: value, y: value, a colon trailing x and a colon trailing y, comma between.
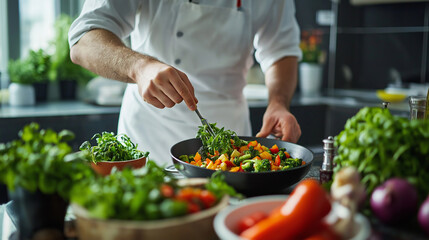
x: 21, y: 90
x: 113, y: 151
x: 68, y: 74
x: 39, y: 171
x: 311, y: 65
x: 41, y: 62
x: 29, y: 78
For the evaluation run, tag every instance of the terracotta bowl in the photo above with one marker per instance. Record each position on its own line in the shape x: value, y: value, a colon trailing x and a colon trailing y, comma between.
x: 105, y: 167
x: 194, y: 226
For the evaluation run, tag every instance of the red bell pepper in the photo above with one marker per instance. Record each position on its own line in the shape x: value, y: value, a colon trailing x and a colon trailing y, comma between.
x: 274, y: 149
x: 305, y: 207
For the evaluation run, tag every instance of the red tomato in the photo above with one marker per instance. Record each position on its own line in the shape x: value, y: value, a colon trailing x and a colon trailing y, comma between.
x: 249, y: 221
x: 167, y: 191
x: 193, y: 207
x: 185, y: 194
x: 207, y: 198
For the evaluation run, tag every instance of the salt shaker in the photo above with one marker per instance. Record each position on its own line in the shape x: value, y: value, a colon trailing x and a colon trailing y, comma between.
x: 327, y: 168
x: 417, y: 107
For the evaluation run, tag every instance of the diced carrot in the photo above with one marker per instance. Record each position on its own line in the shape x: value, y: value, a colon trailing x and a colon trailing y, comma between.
x: 197, y: 157
x: 303, y: 163
x: 193, y: 163
x: 208, y: 161
x: 258, y: 147
x: 257, y: 158
x: 234, y: 169
x: 243, y: 148
x: 265, y: 155
x: 217, y: 162
x: 287, y: 154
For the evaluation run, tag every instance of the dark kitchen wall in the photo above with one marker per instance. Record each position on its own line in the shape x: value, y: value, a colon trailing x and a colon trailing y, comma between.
x: 376, y: 44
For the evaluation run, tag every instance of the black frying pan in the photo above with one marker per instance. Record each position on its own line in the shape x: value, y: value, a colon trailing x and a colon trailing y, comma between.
x: 248, y: 183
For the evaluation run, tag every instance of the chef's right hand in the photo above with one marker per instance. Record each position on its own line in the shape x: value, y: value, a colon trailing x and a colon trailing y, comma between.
x: 162, y: 85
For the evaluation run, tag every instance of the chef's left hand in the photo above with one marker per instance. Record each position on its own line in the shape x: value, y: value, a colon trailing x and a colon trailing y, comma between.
x: 279, y: 122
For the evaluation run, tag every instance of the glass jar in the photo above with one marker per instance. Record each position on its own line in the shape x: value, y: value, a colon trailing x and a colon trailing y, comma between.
x: 417, y: 107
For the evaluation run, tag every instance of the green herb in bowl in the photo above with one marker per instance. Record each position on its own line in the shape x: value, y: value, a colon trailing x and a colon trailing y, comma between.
x: 111, y: 147
x: 113, y: 151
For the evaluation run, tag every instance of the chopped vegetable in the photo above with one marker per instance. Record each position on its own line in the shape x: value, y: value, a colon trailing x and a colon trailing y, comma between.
x: 146, y: 194
x: 299, y: 211
x: 227, y: 152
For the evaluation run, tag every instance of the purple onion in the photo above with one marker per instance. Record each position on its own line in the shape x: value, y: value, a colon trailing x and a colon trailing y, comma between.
x: 395, y: 200
x: 423, y: 215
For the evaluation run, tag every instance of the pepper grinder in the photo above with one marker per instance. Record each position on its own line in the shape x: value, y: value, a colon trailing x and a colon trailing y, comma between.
x: 327, y: 168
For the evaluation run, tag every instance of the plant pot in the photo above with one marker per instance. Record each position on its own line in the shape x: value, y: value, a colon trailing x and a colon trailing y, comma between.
x: 41, y: 91
x: 21, y: 94
x: 310, y: 78
x: 68, y: 89
x: 105, y: 167
x: 37, y: 211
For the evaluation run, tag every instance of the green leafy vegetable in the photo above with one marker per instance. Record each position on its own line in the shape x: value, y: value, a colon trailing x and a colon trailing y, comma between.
x: 111, y: 147
x: 382, y: 146
x: 219, y: 187
x: 138, y: 195
x: 221, y: 142
x: 42, y: 160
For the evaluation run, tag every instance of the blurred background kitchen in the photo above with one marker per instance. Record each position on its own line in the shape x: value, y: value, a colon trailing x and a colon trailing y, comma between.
x: 352, y: 49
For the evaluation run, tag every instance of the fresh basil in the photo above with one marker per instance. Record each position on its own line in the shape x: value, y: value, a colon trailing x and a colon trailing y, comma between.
x: 42, y: 160
x: 111, y: 147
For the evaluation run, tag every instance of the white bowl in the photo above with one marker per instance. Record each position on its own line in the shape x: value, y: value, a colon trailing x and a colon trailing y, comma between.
x: 226, y: 221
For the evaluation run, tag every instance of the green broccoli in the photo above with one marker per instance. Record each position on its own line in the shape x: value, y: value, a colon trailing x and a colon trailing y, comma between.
x: 282, y: 155
x: 248, y: 165
x: 262, y: 165
x: 238, y: 160
x: 253, y: 152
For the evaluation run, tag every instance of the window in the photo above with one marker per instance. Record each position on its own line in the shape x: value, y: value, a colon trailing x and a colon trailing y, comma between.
x: 36, y: 19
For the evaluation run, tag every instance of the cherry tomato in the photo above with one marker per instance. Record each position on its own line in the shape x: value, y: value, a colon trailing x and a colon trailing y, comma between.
x: 250, y: 221
x: 167, y: 191
x: 193, y: 207
x: 207, y: 198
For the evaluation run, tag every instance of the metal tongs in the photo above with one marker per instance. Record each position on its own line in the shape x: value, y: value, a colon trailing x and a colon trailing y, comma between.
x: 204, y: 122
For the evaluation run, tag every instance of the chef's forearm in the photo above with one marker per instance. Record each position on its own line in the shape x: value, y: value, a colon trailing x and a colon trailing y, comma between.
x: 281, y: 81
x: 103, y: 53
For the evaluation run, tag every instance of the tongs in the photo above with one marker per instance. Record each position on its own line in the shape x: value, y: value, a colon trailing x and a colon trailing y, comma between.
x: 204, y: 122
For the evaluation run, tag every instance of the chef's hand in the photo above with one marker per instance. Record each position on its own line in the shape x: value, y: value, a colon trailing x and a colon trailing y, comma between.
x: 279, y: 122
x: 162, y: 85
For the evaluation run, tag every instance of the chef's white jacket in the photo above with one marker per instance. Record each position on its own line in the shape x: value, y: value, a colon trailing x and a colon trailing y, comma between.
x: 212, y: 41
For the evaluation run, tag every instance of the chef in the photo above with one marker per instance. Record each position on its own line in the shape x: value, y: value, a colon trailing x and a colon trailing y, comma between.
x: 183, y: 53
